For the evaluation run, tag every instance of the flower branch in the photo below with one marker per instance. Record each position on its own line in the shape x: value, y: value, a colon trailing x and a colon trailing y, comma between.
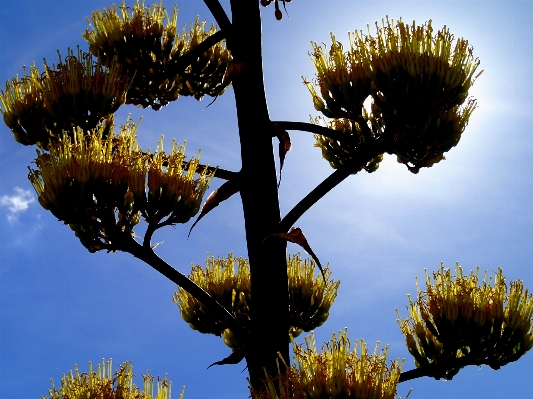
x: 360, y: 159
x: 219, y: 14
x: 147, y: 255
x: 313, y: 128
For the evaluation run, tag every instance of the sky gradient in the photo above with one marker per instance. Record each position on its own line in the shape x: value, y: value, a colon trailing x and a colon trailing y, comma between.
x: 61, y: 305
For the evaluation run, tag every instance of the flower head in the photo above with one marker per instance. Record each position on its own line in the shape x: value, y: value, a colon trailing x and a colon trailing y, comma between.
x: 342, y: 80
x: 103, y: 384
x: 412, y: 62
x: 230, y: 287
x: 335, y: 372
x: 417, y: 82
x: 309, y: 295
x: 173, y: 190
x: 96, y: 183
x: 77, y: 92
x: 145, y: 42
x: 310, y: 298
x: 460, y: 320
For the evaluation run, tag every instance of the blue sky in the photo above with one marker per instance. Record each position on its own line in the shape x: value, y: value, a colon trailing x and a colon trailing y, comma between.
x: 61, y: 305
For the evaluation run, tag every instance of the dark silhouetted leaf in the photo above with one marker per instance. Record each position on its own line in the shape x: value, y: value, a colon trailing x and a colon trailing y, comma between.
x: 234, y: 358
x: 296, y: 236
x: 232, y: 71
x: 216, y: 197
x: 284, y: 146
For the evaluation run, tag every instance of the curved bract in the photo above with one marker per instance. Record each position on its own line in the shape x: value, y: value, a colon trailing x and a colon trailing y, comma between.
x: 104, y: 384
x: 310, y: 297
x: 77, y: 92
x: 146, y: 43
x: 460, y: 320
x: 97, y: 184
x: 335, y: 372
x: 417, y: 81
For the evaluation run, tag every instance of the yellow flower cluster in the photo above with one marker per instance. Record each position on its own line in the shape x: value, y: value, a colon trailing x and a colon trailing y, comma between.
x: 98, y: 185
x: 336, y: 372
x: 230, y: 287
x: 417, y: 80
x: 103, y: 384
x: 145, y: 42
x: 310, y: 297
x: 77, y: 92
x: 342, y: 80
x: 461, y: 317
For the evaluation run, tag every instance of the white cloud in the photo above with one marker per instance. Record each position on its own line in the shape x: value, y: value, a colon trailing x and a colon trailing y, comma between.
x: 17, y: 203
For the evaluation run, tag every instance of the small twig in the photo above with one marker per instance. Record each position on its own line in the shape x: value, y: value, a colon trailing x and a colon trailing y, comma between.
x: 415, y: 373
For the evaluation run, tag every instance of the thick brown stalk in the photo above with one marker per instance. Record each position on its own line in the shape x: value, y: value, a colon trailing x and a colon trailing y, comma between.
x: 270, y: 308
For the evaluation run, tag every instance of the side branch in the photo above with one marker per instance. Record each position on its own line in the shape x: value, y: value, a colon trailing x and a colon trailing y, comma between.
x: 312, y: 128
x: 219, y: 14
x: 148, y: 256
x: 373, y: 149
x: 448, y: 368
x: 415, y: 373
x: 312, y: 198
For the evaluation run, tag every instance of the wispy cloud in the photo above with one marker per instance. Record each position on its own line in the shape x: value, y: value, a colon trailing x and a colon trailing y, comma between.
x: 17, y: 203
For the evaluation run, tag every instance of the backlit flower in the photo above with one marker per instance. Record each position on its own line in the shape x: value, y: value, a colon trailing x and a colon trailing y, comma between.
x: 145, y: 42
x: 77, y: 92
x: 310, y: 298
x: 418, y: 83
x: 309, y: 295
x: 340, y: 153
x: 463, y: 317
x: 342, y: 80
x: 173, y: 190
x: 230, y: 287
x: 98, y: 186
